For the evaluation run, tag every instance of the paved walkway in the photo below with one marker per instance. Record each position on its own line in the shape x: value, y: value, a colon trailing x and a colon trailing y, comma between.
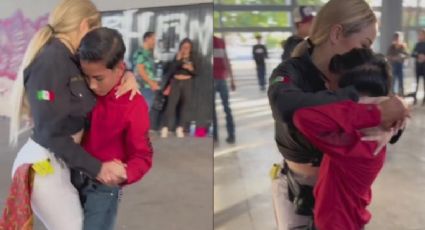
x: 175, y: 195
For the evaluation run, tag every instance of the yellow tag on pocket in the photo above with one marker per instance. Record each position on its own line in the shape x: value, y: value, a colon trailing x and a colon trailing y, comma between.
x: 275, y: 170
x: 43, y: 168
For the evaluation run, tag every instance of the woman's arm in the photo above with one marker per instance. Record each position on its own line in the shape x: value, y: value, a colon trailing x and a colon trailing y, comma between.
x: 128, y: 84
x: 190, y: 67
x: 286, y: 94
x: 49, y: 88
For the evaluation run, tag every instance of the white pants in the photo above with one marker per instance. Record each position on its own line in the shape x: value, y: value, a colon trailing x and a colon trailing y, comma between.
x: 284, y: 209
x: 54, y: 200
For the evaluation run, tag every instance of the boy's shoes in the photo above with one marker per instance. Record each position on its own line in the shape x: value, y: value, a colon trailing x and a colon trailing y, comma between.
x: 179, y: 132
x: 230, y: 140
x: 164, y: 132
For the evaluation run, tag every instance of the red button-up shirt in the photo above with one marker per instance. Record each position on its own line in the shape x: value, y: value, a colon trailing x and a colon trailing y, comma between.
x: 119, y: 129
x: 220, y: 70
x: 348, y: 167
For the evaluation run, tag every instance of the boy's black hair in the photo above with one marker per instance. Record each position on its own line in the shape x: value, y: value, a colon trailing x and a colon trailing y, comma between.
x: 148, y: 35
x: 367, y: 71
x: 102, y: 44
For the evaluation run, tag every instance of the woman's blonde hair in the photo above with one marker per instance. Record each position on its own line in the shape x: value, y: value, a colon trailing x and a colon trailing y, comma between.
x: 64, y: 19
x: 352, y: 15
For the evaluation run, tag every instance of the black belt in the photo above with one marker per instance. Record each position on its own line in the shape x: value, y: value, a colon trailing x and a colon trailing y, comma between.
x: 300, y: 195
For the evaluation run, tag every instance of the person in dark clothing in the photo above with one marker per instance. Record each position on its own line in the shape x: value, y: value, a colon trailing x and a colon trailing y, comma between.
x: 181, y: 89
x: 259, y: 52
x: 51, y: 89
x: 303, y: 19
x: 397, y: 53
x: 419, y: 55
x: 302, y: 81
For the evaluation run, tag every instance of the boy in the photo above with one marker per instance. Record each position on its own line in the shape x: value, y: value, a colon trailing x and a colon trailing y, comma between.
x: 349, y: 165
x: 118, y: 128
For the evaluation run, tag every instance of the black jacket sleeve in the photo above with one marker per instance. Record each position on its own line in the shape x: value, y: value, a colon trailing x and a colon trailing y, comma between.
x: 286, y: 93
x: 53, y: 116
x: 415, y: 51
x: 266, y: 53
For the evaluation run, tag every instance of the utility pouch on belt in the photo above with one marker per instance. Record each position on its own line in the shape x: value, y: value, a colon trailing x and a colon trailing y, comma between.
x: 300, y: 195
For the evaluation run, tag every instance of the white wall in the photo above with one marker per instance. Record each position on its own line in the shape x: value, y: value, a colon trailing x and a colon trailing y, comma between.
x: 35, y: 8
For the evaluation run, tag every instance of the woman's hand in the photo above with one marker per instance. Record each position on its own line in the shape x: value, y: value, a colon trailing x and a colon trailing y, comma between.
x: 372, y: 100
x: 188, y: 66
x: 128, y: 83
x: 179, y: 56
x: 167, y: 91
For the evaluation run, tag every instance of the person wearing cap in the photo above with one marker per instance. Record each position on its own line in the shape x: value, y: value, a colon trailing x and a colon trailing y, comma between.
x: 303, y: 19
x: 259, y: 52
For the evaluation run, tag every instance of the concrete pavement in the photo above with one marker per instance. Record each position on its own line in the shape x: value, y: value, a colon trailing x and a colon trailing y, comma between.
x: 175, y: 195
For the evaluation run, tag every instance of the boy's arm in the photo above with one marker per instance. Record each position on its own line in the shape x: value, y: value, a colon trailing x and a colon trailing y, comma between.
x: 137, y: 143
x: 334, y: 128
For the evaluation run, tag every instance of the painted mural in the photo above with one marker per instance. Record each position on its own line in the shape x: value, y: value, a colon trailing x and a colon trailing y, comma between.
x: 15, y: 34
x: 171, y: 25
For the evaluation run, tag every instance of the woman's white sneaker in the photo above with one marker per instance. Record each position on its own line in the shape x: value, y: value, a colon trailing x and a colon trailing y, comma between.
x: 164, y: 132
x: 179, y: 132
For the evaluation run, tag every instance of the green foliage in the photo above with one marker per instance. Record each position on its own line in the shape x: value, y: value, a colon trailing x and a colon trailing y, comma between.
x: 312, y: 2
x: 255, y: 19
x: 251, y: 2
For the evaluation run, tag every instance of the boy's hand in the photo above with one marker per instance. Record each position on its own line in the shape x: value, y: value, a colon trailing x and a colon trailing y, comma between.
x: 112, y: 173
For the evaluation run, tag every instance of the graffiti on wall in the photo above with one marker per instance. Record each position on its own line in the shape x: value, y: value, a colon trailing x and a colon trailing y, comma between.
x: 15, y: 34
x: 171, y: 25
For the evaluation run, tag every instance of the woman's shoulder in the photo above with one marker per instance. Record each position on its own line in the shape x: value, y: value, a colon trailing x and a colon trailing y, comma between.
x: 292, y: 66
x: 54, y: 56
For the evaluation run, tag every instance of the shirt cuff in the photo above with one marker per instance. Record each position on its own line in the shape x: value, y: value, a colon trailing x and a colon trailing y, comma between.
x: 367, y: 115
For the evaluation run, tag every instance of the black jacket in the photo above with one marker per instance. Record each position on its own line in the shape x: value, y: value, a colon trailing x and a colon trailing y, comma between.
x: 56, y: 70
x: 259, y: 52
x: 294, y: 84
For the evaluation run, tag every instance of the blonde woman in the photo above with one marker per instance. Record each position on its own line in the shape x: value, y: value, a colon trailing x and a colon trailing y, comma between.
x: 52, y: 91
x: 301, y: 82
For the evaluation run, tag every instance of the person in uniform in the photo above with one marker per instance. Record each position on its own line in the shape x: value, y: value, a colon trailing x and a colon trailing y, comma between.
x: 57, y: 99
x: 302, y: 81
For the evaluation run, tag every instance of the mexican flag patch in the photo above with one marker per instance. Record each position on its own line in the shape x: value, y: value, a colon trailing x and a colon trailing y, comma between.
x: 45, y: 95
